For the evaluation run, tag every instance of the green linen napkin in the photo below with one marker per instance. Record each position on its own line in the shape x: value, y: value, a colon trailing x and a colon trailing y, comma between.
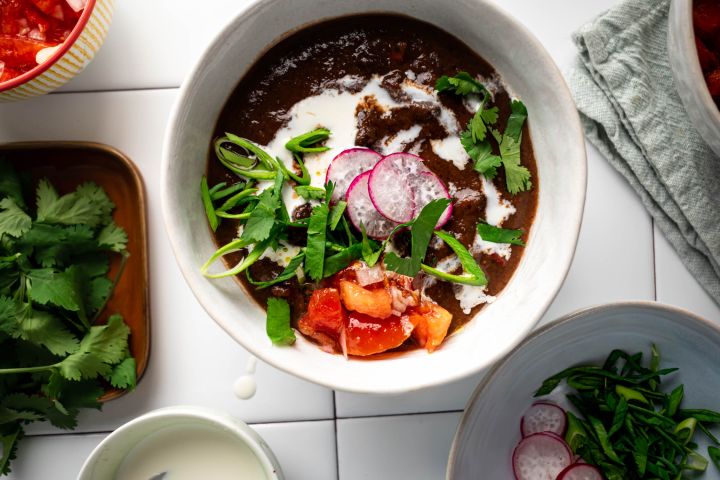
x: 632, y: 113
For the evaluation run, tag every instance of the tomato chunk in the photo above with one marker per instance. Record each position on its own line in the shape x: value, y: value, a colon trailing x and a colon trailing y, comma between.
x: 432, y: 323
x: 19, y: 51
x: 375, y: 302
x: 325, y: 318
x: 366, y: 335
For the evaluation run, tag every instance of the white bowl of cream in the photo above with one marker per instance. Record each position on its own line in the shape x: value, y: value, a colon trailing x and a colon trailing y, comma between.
x: 182, y: 443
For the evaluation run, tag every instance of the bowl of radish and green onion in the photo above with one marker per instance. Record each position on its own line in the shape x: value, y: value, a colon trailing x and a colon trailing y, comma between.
x: 624, y: 391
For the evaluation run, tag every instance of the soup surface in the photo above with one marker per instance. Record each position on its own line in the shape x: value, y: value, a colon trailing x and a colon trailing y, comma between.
x: 371, y: 81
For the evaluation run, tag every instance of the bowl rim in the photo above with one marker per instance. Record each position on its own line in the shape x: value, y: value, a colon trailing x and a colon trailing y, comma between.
x: 209, y: 416
x: 347, y: 384
x: 65, y: 46
x: 558, y: 323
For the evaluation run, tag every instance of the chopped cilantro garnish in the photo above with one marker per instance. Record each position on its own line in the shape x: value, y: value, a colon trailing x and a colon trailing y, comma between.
x: 475, y: 139
x: 461, y: 84
x: 490, y: 233
x: 278, y: 322
x: 310, y: 193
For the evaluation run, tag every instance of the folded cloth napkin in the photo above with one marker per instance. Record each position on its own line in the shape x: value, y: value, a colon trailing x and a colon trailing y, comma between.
x: 631, y: 112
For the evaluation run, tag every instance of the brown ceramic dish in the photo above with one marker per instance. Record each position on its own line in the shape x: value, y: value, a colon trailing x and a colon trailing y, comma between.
x: 68, y: 164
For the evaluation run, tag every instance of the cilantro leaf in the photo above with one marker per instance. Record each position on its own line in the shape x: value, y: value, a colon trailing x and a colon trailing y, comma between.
x: 278, y: 322
x: 336, y: 213
x: 9, y: 442
x: 517, y: 177
x: 315, y: 250
x: 289, y: 272
x: 310, y: 193
x: 13, y: 220
x: 123, y: 374
x: 88, y: 205
x: 10, y: 185
x: 41, y: 328
x: 370, y: 252
x: 102, y: 347
x: 421, y: 232
x: 490, y: 233
x: 486, y: 162
x: 461, y: 84
x: 263, y: 216
x: 113, y: 237
x: 479, y: 123
x: 48, y: 286
x: 342, y: 259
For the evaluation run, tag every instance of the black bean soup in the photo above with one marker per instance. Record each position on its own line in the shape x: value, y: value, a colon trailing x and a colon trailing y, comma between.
x: 345, y: 54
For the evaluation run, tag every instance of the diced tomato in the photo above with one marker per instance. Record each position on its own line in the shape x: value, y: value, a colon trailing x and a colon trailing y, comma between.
x: 37, y: 19
x: 366, y: 335
x: 19, y: 51
x: 713, y: 82
x: 325, y: 318
x: 46, y: 6
x: 375, y: 302
x: 706, y: 18
x: 432, y: 323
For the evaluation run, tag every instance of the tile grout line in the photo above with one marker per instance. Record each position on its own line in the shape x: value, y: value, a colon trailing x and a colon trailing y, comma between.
x: 107, y: 432
x: 390, y: 415
x: 115, y: 90
x: 335, y: 431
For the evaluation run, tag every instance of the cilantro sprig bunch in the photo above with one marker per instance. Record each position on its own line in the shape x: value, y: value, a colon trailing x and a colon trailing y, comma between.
x: 482, y: 128
x: 630, y: 428
x: 54, y: 261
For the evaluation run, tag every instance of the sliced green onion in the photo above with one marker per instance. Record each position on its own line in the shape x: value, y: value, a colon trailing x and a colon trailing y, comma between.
x: 303, y: 143
x: 226, y: 192
x: 207, y: 203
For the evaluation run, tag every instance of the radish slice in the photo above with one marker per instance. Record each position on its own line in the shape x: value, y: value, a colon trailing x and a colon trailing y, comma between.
x: 543, y: 417
x: 580, y: 471
x: 390, y: 185
x: 426, y: 188
x: 540, y: 456
x: 346, y: 166
x: 361, y: 211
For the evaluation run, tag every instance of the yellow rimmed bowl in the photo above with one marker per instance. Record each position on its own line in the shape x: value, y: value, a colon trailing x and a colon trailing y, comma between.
x: 70, y: 59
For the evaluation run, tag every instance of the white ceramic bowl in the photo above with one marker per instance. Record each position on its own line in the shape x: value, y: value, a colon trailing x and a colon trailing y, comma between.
x: 689, y: 79
x: 104, y: 461
x: 489, y: 429
x: 559, y: 147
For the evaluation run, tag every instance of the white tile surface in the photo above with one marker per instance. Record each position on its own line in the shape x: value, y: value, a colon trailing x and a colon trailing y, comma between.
x: 313, y: 458
x: 677, y: 286
x: 405, y: 446
x: 154, y: 44
x: 192, y: 360
x: 52, y: 457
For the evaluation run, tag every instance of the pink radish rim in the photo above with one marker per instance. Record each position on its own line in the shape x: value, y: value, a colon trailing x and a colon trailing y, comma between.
x: 543, y: 434
x: 347, y: 151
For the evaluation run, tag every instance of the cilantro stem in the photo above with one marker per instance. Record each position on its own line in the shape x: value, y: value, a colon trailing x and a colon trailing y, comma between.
x: 15, y: 371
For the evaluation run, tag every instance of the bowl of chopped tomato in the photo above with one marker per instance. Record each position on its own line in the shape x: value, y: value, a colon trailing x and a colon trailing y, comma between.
x: 45, y: 43
x: 694, y: 51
